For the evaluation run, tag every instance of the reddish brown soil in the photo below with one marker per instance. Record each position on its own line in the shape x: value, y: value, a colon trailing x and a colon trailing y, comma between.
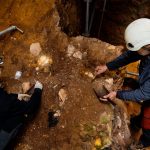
x: 39, y: 20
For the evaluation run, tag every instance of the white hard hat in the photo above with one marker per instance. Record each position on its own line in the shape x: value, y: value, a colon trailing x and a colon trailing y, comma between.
x: 137, y: 34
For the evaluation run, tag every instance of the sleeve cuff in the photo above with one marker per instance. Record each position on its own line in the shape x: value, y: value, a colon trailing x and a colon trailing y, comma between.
x: 110, y: 66
x: 119, y: 95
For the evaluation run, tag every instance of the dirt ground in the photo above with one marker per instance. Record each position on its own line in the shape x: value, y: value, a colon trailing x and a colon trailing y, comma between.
x: 79, y: 124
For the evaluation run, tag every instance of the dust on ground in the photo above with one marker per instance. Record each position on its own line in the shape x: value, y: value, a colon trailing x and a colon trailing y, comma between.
x: 73, y: 63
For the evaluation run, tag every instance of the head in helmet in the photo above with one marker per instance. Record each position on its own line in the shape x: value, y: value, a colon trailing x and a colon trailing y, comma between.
x: 137, y: 36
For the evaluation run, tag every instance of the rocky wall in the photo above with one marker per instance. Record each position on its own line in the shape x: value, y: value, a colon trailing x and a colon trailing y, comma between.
x: 117, y: 15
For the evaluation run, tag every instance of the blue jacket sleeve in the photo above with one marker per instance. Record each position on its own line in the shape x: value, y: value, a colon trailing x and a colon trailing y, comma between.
x: 124, y: 59
x: 140, y: 94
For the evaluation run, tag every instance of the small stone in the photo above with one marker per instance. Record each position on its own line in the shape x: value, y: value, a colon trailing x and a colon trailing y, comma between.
x: 119, y: 122
x: 111, y: 47
x: 44, y: 61
x: 37, y: 68
x: 35, y: 49
x: 70, y: 50
x: 18, y: 75
x: 89, y: 74
x: 62, y: 96
x: 57, y: 113
x: 13, y: 38
x: 78, y: 55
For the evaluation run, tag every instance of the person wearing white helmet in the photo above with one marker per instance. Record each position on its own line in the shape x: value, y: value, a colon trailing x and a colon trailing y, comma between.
x: 137, y: 38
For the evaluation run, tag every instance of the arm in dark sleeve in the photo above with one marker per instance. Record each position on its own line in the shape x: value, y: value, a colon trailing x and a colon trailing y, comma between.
x: 30, y: 106
x: 34, y: 101
x: 123, y: 60
x: 140, y: 94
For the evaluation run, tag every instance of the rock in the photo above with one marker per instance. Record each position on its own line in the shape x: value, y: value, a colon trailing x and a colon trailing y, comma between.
x: 62, y: 96
x: 102, y: 86
x: 57, y: 113
x: 118, y: 122
x: 78, y: 55
x: 18, y: 75
x: 121, y: 132
x: 44, y: 61
x: 70, y: 50
x: 35, y: 49
x: 89, y: 74
x: 111, y: 47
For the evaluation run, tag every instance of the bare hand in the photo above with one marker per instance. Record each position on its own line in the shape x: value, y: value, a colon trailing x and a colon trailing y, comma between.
x: 100, y: 69
x: 111, y: 96
x: 103, y: 99
x: 24, y: 97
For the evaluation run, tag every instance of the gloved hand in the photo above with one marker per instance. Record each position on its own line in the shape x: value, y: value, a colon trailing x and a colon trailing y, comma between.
x: 24, y: 97
x: 38, y: 85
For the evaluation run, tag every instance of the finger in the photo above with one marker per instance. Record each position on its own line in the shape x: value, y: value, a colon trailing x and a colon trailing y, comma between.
x: 106, y: 96
x: 25, y: 95
x: 103, y: 99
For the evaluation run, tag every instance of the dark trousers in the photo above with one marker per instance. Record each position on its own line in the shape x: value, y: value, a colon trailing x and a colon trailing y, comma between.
x: 145, y: 138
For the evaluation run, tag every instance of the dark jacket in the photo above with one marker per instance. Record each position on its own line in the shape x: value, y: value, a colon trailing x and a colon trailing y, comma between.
x: 13, y: 111
x: 143, y: 92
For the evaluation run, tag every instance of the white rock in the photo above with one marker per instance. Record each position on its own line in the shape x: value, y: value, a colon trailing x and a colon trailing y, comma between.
x: 44, y: 61
x: 35, y: 49
x: 89, y: 74
x: 70, y: 50
x: 57, y: 113
x: 118, y: 122
x: 18, y: 74
x: 78, y: 55
x: 37, y: 68
x: 62, y: 96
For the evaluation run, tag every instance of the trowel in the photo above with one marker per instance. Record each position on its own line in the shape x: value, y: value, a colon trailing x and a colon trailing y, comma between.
x: 102, y: 92
x: 11, y: 28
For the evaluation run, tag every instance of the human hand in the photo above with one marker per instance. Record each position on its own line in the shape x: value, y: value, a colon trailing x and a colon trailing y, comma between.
x: 100, y: 69
x: 26, y: 87
x: 111, y: 96
x: 24, y: 97
x: 38, y: 85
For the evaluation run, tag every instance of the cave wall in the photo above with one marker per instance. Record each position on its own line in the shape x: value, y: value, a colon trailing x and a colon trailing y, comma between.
x: 117, y: 15
x: 70, y: 16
